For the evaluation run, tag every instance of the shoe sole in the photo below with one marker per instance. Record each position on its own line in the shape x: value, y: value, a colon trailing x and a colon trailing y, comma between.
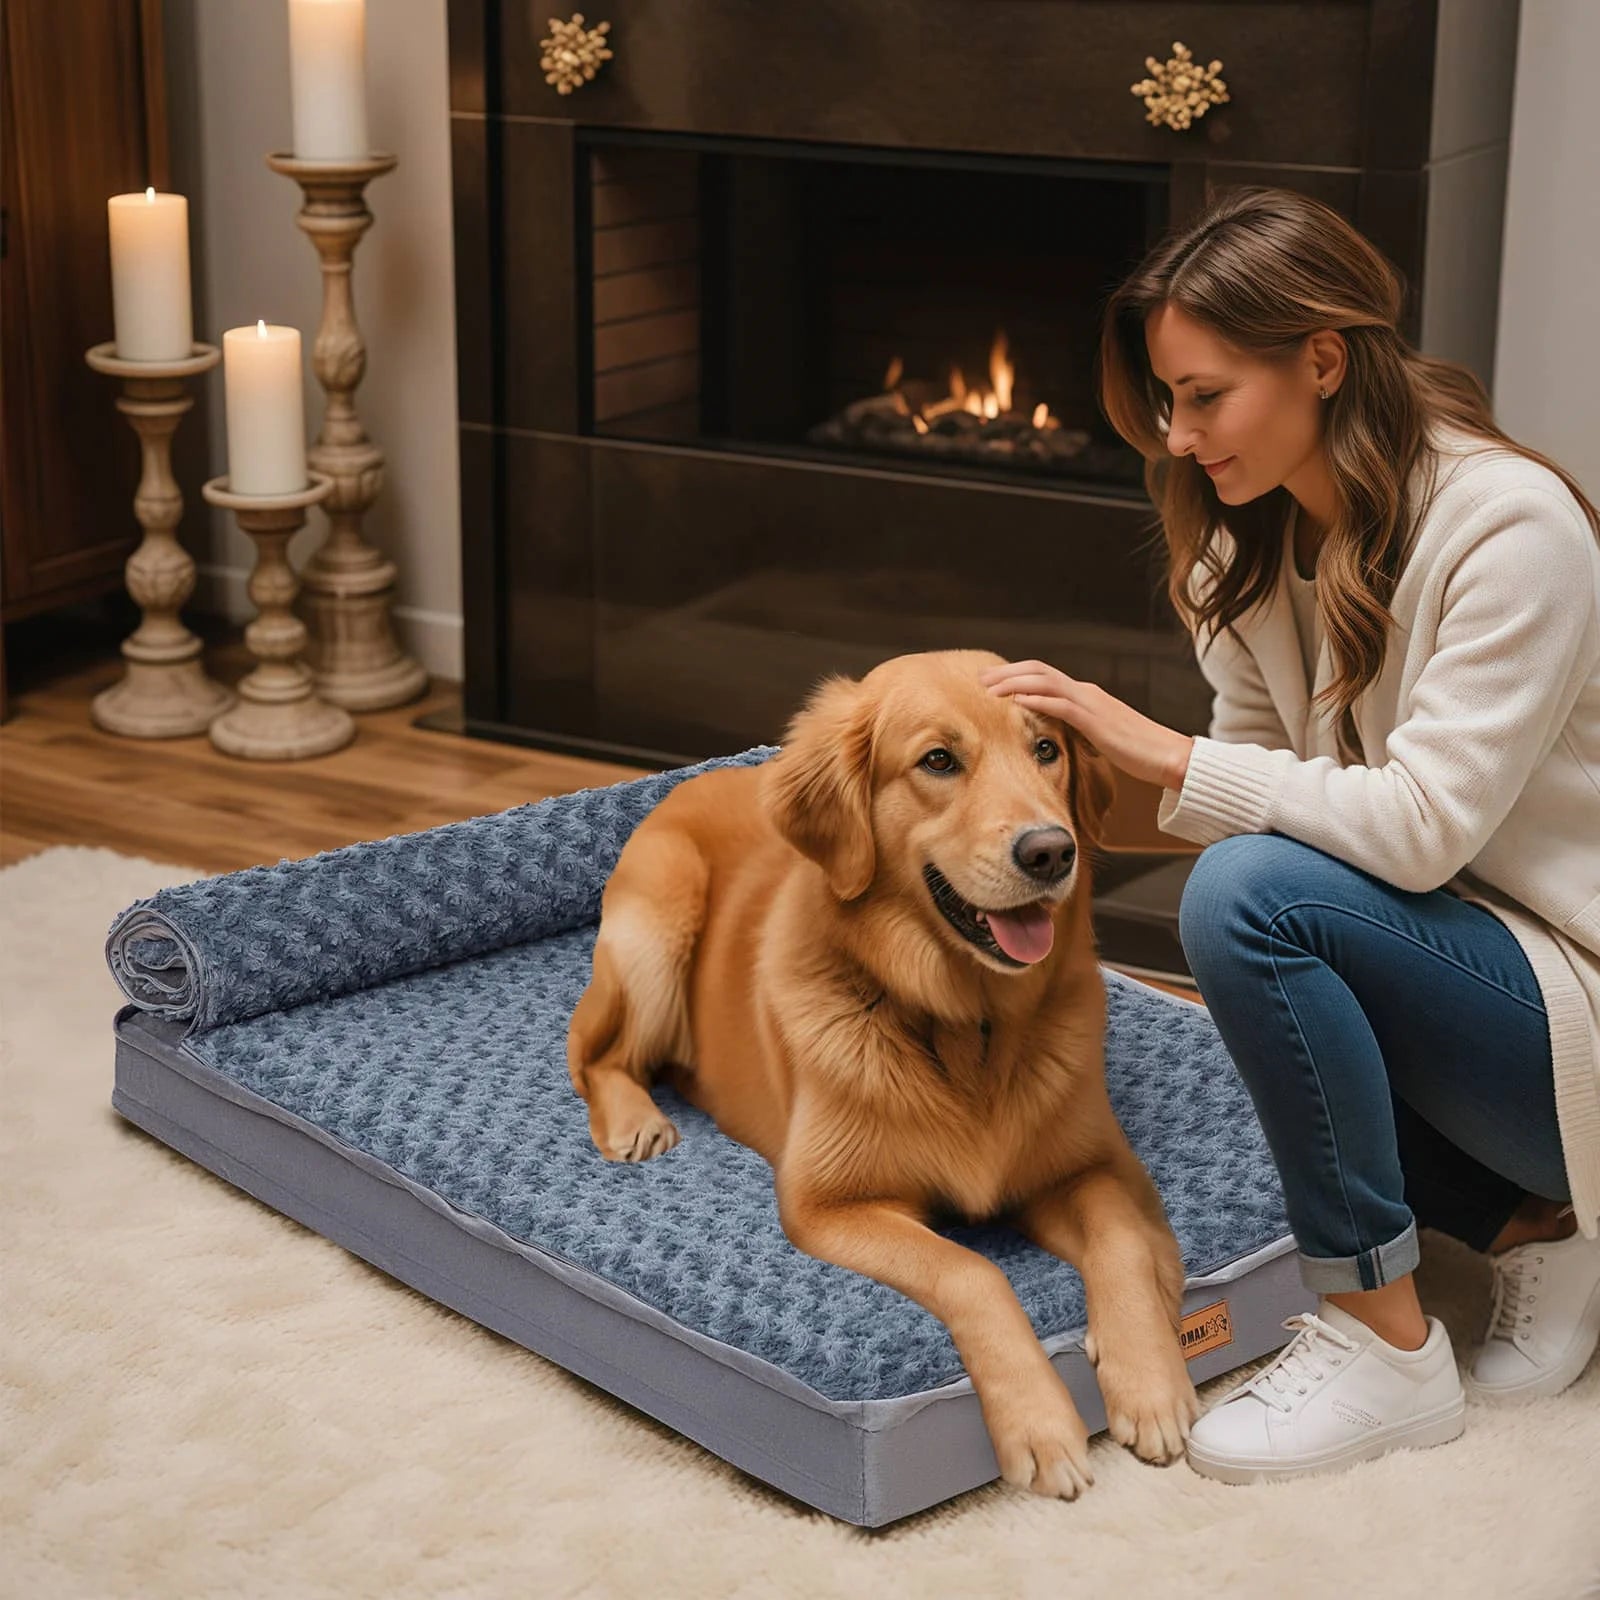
x: 1421, y: 1433
x: 1562, y: 1375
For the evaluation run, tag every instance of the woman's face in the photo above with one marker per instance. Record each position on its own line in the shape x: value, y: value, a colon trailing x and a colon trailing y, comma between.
x: 1254, y: 425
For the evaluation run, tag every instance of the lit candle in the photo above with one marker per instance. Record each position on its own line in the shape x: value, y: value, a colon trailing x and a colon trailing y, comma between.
x: 265, y: 409
x: 150, y: 276
x: 327, y: 78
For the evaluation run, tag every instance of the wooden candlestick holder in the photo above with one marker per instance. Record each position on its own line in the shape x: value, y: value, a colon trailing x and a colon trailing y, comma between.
x: 164, y: 692
x: 348, y: 585
x: 279, y: 716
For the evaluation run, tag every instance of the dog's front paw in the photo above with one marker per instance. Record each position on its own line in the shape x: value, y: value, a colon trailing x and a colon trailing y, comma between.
x: 1040, y: 1441
x: 638, y: 1138
x: 1150, y: 1405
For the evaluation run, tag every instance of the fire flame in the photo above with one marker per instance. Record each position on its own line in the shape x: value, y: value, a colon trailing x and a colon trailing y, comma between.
x: 1001, y: 372
x: 989, y: 401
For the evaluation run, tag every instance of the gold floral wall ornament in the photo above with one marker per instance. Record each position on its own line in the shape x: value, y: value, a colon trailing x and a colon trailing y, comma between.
x: 573, y: 53
x: 1180, y: 90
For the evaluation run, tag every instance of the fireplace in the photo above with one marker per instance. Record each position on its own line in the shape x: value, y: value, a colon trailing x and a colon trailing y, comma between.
x: 776, y: 340
x: 906, y: 308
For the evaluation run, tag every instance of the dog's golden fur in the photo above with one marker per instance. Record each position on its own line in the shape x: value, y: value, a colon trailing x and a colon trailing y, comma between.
x: 769, y: 943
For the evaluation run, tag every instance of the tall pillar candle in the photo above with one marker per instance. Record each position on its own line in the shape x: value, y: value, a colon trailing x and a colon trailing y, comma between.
x: 150, y: 276
x: 327, y: 78
x: 265, y: 410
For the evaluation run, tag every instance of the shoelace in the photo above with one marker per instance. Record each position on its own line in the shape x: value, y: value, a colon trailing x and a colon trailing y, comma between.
x: 1512, y: 1280
x: 1299, y: 1365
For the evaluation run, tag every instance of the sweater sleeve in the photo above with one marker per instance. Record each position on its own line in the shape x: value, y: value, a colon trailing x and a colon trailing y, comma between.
x: 1516, y: 639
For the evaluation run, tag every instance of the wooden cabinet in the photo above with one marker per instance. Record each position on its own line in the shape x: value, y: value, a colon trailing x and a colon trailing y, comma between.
x: 82, y: 117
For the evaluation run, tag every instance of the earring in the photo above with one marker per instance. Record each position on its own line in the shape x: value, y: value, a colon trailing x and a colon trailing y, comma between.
x: 1322, y: 394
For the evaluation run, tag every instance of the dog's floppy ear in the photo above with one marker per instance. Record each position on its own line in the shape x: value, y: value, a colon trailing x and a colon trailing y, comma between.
x: 819, y: 786
x: 1094, y: 787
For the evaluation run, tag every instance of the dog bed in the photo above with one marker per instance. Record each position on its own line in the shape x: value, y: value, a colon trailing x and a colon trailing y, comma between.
x: 372, y: 1042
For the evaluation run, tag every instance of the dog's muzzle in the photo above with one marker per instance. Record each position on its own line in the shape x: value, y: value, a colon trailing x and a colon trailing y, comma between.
x: 1015, y: 936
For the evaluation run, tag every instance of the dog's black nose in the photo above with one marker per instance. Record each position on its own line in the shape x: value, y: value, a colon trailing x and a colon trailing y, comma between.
x: 1045, y: 853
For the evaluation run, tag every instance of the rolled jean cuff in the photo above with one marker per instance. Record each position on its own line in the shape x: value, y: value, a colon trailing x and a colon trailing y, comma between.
x: 1372, y: 1269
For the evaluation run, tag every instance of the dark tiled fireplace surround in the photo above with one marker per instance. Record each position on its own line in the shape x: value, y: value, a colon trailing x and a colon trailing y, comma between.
x: 698, y: 300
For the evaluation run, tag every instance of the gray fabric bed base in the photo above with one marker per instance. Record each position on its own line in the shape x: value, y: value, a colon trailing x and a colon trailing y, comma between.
x: 867, y: 1462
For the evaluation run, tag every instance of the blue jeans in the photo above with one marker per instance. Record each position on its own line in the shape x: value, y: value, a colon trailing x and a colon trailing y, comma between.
x: 1395, y: 1046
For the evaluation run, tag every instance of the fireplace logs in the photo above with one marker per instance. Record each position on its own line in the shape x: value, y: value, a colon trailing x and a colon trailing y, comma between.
x: 973, y: 424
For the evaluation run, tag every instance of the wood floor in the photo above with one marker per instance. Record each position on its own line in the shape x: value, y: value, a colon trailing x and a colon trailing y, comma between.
x: 63, y: 781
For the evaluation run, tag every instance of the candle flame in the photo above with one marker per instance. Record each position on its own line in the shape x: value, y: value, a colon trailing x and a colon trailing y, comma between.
x: 150, y: 194
x: 261, y: 327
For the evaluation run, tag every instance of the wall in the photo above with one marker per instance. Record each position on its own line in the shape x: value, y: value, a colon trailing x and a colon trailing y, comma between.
x: 228, y: 69
x: 1547, y: 364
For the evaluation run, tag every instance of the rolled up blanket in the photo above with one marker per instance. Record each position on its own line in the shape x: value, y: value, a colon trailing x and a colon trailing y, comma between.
x: 268, y: 938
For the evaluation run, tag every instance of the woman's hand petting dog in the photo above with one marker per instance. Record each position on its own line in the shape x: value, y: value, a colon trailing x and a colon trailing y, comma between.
x: 1127, y: 739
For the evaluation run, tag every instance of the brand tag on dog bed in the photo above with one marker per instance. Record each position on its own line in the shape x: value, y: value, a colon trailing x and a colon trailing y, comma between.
x: 1209, y: 1328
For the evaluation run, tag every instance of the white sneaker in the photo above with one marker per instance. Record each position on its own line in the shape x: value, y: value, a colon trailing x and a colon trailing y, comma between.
x: 1334, y: 1396
x: 1544, y: 1321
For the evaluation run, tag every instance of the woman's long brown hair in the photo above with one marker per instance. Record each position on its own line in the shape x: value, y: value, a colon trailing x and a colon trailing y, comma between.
x: 1264, y: 269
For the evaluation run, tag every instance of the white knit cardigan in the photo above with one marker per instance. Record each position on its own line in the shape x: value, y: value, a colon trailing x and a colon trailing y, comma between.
x: 1480, y: 737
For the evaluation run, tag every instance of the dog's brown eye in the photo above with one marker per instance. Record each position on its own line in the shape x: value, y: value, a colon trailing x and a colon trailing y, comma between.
x: 939, y: 760
x: 1046, y: 750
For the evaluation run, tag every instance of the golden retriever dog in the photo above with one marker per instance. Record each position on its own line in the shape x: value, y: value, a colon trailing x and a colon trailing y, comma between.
x: 870, y: 959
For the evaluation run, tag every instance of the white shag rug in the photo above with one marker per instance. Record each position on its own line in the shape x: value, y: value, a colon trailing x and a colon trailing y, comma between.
x: 201, y: 1398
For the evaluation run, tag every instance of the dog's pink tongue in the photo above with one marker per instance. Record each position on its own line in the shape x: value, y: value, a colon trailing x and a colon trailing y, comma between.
x: 1025, y: 934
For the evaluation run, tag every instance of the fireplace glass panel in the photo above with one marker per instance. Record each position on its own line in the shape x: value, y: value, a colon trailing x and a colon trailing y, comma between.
x: 936, y: 315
